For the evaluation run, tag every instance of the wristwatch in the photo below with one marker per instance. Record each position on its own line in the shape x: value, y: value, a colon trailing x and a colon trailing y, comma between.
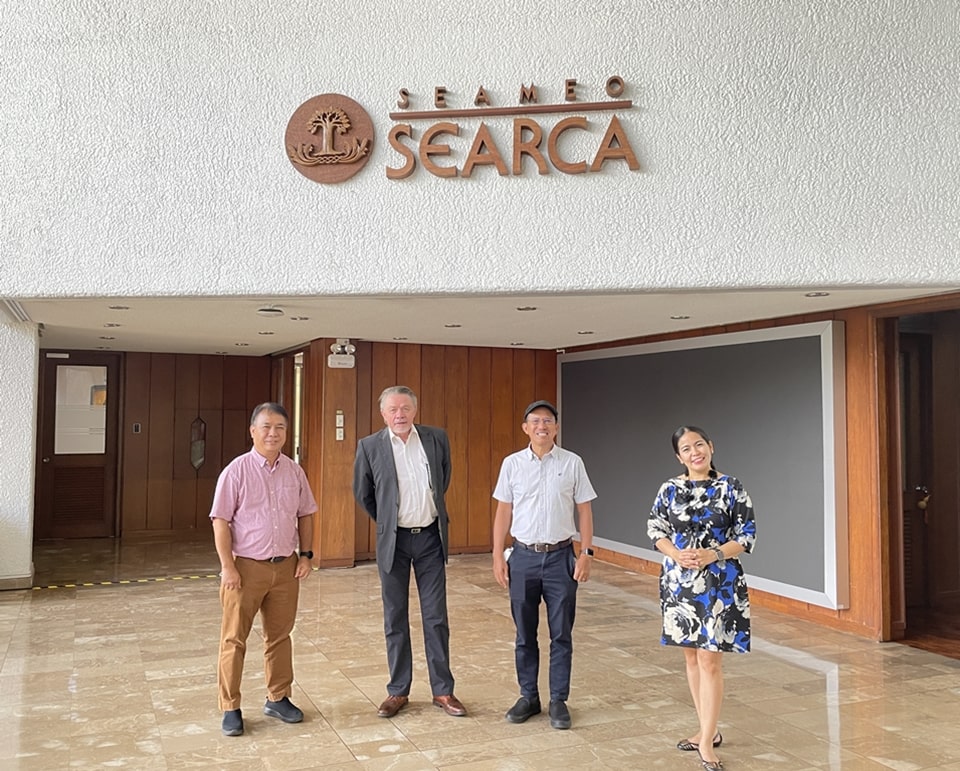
x: 721, y: 557
x: 588, y: 551
x: 307, y: 554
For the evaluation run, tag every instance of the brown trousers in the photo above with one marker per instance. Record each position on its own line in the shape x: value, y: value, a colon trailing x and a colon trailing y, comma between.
x: 273, y: 590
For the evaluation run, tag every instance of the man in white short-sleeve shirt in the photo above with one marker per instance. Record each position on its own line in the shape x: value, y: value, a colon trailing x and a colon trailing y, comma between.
x: 543, y: 494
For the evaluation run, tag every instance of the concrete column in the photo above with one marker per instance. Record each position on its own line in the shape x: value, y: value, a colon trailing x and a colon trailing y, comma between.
x: 19, y: 346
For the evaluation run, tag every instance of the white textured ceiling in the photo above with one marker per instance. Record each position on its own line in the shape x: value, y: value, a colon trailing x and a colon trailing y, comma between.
x: 233, y: 326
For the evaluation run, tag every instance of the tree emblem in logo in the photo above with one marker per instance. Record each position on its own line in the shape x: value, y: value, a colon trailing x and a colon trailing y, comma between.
x: 329, y: 138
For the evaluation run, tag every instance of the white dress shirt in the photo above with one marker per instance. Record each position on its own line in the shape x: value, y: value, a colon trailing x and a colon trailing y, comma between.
x: 417, y: 507
x: 544, y: 493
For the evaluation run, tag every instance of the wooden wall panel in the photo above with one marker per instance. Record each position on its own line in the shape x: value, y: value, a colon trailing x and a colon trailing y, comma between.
x: 135, y: 463
x: 235, y: 384
x: 336, y: 542
x: 160, y: 431
x: 363, y: 528
x: 456, y: 415
x: 161, y: 491
x: 431, y: 398
x: 480, y: 466
x: 210, y: 389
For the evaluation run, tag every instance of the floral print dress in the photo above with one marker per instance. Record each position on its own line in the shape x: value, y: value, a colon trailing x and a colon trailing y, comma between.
x: 707, y: 608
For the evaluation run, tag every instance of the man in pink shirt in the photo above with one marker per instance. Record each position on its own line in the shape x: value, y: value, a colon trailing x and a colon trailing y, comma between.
x: 262, y: 510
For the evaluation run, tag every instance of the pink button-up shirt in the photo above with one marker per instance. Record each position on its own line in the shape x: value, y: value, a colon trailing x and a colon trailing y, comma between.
x: 263, y: 505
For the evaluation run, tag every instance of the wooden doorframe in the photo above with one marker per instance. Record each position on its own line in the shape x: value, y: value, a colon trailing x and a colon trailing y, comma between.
x: 886, y: 317
x: 45, y: 525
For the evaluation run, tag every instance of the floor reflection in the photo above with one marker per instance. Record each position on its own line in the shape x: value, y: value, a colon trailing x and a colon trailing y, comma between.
x: 115, y: 668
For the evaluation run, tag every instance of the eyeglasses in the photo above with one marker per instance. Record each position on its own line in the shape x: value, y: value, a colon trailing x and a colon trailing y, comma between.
x: 541, y: 421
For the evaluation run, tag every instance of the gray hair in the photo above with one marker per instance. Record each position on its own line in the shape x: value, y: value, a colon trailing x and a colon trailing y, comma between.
x: 273, y: 407
x: 399, y: 390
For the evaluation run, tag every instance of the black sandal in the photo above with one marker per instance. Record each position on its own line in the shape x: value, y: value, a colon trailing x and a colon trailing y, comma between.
x: 685, y: 745
x: 710, y: 765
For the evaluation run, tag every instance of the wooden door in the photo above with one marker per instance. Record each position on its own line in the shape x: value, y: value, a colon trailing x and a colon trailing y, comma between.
x: 916, y: 446
x: 77, y: 445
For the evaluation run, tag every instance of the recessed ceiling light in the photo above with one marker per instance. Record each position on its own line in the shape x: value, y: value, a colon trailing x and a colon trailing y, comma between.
x: 516, y: 343
x: 103, y: 348
x: 453, y: 326
x: 119, y: 307
x: 264, y: 333
x: 679, y: 317
x: 241, y: 345
x: 112, y: 324
x: 299, y: 318
x: 220, y: 353
x: 585, y: 332
x: 527, y: 308
x: 270, y: 312
x: 107, y: 337
x: 817, y: 294
x: 399, y: 338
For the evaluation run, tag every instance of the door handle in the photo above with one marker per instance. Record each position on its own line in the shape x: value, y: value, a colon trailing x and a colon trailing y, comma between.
x: 924, y: 501
x: 46, y: 460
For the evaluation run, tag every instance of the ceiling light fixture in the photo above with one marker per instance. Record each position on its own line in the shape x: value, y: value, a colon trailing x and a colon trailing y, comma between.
x: 585, y: 332
x: 399, y: 338
x: 119, y: 307
x: 453, y: 326
x: 220, y: 353
x: 299, y: 318
x: 679, y: 317
x: 516, y: 343
x: 817, y: 294
x: 241, y: 345
x: 264, y: 333
x: 112, y: 324
x: 527, y: 308
x: 270, y: 312
x: 107, y: 337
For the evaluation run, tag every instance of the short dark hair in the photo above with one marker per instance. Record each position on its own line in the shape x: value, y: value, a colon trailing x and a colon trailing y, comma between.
x: 269, y: 407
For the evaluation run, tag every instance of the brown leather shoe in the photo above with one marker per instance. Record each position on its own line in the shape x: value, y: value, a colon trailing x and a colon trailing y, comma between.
x: 392, y: 706
x: 450, y: 704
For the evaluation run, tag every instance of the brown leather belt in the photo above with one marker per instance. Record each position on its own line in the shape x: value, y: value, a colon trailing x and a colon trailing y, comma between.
x: 543, y: 547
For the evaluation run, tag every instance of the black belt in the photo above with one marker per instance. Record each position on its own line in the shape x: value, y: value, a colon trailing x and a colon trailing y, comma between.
x: 275, y: 560
x: 543, y: 547
x: 415, y: 530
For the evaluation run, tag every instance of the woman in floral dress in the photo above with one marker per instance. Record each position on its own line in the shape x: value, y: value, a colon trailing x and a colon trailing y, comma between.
x: 701, y: 522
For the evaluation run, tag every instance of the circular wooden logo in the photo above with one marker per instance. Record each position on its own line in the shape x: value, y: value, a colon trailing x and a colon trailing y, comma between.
x: 329, y: 138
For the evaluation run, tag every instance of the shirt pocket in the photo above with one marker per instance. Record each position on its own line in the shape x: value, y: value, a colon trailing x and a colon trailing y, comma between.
x: 288, y: 498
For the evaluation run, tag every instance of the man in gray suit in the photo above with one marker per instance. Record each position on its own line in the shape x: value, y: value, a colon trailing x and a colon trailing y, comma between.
x: 400, y: 477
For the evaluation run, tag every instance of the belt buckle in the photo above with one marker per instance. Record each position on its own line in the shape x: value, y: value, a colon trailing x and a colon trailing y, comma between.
x: 415, y: 530
x: 541, y: 547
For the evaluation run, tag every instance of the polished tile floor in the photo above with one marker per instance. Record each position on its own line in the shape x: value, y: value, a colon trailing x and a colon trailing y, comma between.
x: 110, y: 664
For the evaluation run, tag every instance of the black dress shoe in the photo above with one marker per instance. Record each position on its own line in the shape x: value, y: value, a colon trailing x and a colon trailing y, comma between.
x: 559, y: 715
x: 232, y: 724
x: 523, y: 710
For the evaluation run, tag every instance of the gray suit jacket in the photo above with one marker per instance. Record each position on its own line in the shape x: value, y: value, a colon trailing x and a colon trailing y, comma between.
x: 377, y: 490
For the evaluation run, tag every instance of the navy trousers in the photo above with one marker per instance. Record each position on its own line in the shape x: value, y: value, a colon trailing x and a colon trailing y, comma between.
x: 547, y: 575
x: 424, y: 552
